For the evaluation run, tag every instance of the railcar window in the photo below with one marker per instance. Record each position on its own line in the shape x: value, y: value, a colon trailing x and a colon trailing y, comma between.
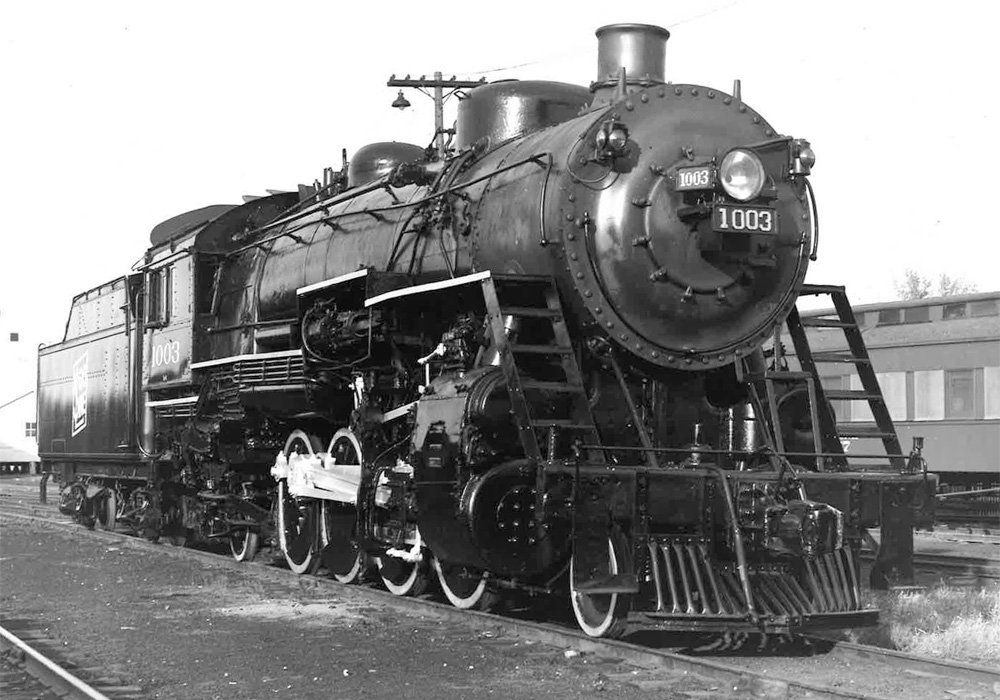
x: 14, y: 337
x: 986, y: 307
x: 953, y: 311
x: 888, y: 317
x: 893, y: 386
x: 918, y: 314
x: 991, y: 389
x: 960, y: 401
x: 31, y: 430
x: 928, y: 394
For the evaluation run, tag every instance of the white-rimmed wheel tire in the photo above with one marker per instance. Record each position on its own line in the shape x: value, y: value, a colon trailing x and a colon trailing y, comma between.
x: 244, y: 543
x: 402, y: 577
x: 343, y: 557
x: 297, y: 518
x: 465, y: 588
x: 600, y: 614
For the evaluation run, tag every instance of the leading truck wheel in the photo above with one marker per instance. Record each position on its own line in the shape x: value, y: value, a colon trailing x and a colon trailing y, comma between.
x: 464, y: 588
x: 298, y: 519
x: 600, y: 614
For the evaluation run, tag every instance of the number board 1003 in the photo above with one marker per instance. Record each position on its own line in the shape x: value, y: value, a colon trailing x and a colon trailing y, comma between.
x: 726, y: 217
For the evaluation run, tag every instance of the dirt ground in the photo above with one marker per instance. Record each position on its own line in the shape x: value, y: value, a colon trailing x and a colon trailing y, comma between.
x: 188, y: 630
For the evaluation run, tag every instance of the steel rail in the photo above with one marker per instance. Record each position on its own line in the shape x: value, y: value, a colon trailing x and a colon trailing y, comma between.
x: 746, y: 682
x: 46, y: 671
x: 921, y: 664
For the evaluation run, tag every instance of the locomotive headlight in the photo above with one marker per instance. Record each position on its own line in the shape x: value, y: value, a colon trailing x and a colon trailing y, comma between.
x: 805, y: 158
x: 742, y: 174
x: 617, y: 139
x: 610, y: 141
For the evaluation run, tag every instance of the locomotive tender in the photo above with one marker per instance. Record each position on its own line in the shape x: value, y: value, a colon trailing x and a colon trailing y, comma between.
x: 530, y: 361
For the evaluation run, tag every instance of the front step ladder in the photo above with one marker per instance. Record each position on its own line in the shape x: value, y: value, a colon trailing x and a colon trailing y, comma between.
x: 857, y: 354
x: 551, y: 399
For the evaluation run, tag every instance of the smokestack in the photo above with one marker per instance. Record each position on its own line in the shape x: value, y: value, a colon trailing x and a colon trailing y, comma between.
x: 640, y: 49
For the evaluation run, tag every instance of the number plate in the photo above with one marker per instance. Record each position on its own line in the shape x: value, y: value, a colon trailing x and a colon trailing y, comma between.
x: 747, y: 219
x: 701, y: 177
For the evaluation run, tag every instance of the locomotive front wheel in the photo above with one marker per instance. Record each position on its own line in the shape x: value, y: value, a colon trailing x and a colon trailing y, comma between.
x: 297, y: 520
x: 244, y: 544
x: 402, y: 577
x: 600, y: 614
x: 106, y: 510
x: 464, y: 588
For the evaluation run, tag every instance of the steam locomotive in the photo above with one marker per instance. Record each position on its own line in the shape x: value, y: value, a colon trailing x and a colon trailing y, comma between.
x: 531, y: 359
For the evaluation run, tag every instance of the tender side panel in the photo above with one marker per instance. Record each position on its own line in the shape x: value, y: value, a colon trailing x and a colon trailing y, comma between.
x: 83, y: 387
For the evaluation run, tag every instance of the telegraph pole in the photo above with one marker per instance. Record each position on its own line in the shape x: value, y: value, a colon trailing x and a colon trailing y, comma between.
x: 439, y: 84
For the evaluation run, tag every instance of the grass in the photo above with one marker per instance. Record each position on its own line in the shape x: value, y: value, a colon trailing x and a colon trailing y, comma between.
x: 962, y: 624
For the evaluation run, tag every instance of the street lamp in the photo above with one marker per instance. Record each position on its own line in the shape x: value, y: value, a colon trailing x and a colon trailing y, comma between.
x: 439, y: 84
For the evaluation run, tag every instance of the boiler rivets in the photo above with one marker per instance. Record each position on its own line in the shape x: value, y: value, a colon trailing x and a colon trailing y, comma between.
x: 571, y: 236
x: 598, y: 310
x: 624, y: 336
x: 572, y: 197
x: 756, y: 120
x: 644, y: 98
x: 610, y: 324
x: 694, y: 91
x: 587, y: 293
x: 711, y: 94
x: 573, y: 256
x: 728, y: 101
x: 743, y: 108
x: 768, y: 132
x: 569, y: 216
x: 629, y: 105
x: 582, y: 160
x: 579, y: 275
x: 671, y: 358
x: 655, y: 354
x: 678, y: 91
x: 661, y: 92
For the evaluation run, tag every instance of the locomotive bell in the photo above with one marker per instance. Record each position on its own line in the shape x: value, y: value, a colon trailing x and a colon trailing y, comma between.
x: 640, y: 49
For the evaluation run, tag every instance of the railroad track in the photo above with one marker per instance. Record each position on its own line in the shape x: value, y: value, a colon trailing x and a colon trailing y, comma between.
x: 735, y: 662
x: 28, y: 673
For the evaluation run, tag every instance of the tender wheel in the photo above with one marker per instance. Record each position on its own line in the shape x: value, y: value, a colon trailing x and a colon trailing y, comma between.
x: 297, y: 520
x: 244, y: 544
x: 402, y: 577
x: 601, y: 614
x: 465, y: 588
x: 106, y: 510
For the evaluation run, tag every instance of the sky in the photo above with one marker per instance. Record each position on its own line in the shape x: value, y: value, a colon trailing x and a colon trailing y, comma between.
x: 119, y: 115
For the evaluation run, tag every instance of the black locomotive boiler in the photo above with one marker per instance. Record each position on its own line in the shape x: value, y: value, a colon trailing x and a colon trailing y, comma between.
x: 531, y: 359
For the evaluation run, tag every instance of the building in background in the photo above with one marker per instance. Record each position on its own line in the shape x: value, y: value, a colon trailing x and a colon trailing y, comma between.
x: 18, y: 373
